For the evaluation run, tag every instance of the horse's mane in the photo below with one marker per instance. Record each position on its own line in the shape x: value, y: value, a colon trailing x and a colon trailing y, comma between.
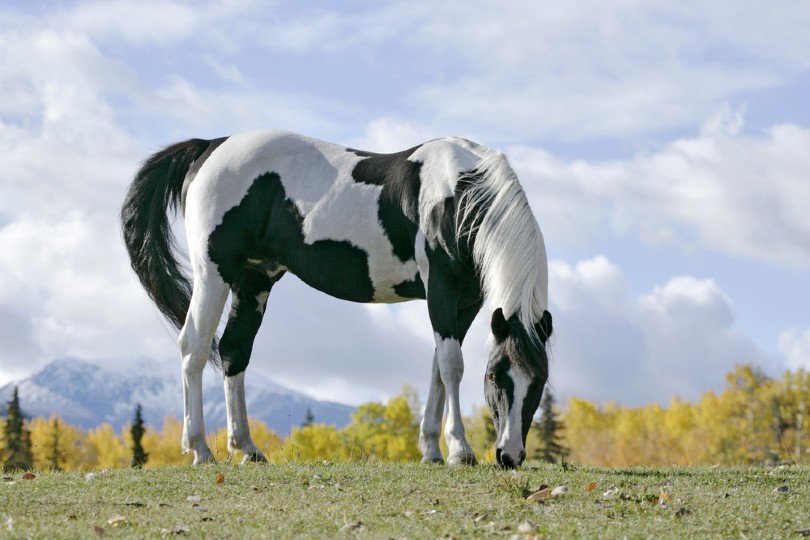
x: 495, y: 217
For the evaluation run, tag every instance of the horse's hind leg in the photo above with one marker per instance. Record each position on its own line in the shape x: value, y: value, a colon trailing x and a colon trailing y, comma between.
x: 207, y: 301
x: 248, y: 303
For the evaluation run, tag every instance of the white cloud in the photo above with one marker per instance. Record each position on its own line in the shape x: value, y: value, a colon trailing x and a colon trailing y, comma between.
x: 794, y: 345
x: 388, y: 134
x: 679, y: 339
x: 573, y: 70
x: 137, y: 22
x: 721, y: 190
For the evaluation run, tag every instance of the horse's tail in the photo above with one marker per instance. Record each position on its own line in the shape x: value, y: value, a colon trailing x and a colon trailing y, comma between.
x: 156, y: 191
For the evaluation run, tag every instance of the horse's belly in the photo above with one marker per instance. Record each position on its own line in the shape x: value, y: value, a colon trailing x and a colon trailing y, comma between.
x: 344, y: 270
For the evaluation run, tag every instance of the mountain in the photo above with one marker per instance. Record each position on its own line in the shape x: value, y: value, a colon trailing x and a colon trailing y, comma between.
x: 86, y: 394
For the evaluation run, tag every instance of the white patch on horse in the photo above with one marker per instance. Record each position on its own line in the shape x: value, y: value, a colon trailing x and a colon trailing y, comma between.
x: 420, y: 254
x: 261, y: 302
x: 350, y: 213
x: 511, y: 441
x: 442, y: 162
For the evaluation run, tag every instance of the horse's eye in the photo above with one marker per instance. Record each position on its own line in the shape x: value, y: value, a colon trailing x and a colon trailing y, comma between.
x: 491, y: 377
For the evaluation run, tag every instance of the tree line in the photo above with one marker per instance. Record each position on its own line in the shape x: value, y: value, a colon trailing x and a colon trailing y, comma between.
x: 755, y: 419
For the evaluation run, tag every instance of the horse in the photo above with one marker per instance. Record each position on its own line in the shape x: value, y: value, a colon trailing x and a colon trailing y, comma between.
x: 446, y: 221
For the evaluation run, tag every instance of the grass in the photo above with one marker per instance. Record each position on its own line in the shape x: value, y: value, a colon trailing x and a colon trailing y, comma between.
x: 406, y: 500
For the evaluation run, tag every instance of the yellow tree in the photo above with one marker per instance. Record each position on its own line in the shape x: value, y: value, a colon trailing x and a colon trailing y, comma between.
x: 316, y: 441
x: 164, y: 446
x: 106, y: 449
x: 386, y: 432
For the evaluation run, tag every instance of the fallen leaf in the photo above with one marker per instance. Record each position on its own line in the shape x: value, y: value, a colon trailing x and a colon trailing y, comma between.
x: 526, y: 528
x: 72, y: 517
x: 408, y: 513
x: 220, y: 478
x: 803, y: 532
x: 540, y: 495
x: 89, y: 476
x: 179, y: 528
x: 591, y: 486
x: 8, y: 478
x: 117, y: 521
x: 353, y: 526
x: 682, y: 511
x: 201, y: 508
x: 781, y: 489
x: 479, y: 517
x: 193, y: 498
x: 10, y: 524
x: 663, y: 499
x: 610, y: 492
x: 98, y: 530
x: 559, y: 490
x: 136, y: 504
x: 29, y: 476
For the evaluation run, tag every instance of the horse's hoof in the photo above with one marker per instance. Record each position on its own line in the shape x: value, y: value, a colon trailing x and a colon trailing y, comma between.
x: 467, y: 459
x: 254, y: 457
x: 432, y: 460
x: 199, y: 459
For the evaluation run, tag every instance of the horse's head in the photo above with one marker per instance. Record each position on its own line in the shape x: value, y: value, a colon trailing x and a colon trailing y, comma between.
x: 516, y: 374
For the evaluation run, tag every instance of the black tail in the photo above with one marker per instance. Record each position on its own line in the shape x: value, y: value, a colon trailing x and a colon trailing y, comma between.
x: 156, y: 190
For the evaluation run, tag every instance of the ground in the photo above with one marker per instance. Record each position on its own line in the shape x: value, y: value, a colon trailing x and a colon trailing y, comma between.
x: 407, y: 500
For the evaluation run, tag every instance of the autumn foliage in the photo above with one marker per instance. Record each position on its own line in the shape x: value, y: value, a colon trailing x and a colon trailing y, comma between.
x: 756, y: 419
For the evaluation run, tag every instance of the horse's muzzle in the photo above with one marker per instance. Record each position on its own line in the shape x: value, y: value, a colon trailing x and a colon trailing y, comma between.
x: 508, y: 461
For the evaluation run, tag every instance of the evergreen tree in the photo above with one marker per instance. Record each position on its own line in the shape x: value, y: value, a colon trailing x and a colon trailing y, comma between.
x: 54, y: 452
x: 550, y: 429
x: 17, y: 453
x: 139, y: 456
x: 309, y: 419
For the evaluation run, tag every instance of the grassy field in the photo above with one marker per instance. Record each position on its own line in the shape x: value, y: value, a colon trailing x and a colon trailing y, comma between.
x: 411, y: 500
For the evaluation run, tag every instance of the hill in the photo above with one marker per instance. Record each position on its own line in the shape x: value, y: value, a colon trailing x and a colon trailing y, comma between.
x: 86, y: 394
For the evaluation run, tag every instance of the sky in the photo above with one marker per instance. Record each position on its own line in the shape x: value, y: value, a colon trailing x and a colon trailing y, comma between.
x: 665, y: 150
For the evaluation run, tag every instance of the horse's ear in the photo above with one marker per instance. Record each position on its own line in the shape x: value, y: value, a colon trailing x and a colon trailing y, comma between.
x: 543, y: 327
x: 500, y: 328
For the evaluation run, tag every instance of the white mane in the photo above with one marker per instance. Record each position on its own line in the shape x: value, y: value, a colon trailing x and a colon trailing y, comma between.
x: 509, y: 251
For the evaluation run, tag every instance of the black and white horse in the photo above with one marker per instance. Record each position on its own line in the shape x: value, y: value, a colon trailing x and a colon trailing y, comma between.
x: 445, y: 221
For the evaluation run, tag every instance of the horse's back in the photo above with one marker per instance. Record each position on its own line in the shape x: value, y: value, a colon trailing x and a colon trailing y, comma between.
x: 345, y: 221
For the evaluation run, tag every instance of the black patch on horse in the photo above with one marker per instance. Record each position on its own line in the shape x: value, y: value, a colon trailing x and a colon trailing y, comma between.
x: 411, y: 289
x: 399, y: 200
x: 268, y: 226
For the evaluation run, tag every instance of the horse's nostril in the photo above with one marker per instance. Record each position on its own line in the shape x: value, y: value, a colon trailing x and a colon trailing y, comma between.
x: 506, y: 461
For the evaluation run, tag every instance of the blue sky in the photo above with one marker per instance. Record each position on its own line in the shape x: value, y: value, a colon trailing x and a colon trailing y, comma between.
x: 664, y: 151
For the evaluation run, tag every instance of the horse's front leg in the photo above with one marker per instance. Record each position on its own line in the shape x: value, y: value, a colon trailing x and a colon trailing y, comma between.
x: 451, y: 368
x: 431, y: 425
x: 442, y: 297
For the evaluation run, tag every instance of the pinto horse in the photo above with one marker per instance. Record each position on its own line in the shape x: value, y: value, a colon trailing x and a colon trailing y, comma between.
x: 446, y: 221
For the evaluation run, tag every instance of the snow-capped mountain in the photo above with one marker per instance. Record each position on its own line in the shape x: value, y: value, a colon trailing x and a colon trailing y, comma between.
x: 86, y: 394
